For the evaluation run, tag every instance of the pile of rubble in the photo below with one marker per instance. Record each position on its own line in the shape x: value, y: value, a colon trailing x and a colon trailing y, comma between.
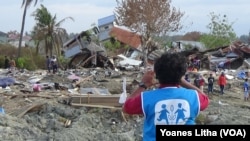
x: 84, y: 105
x: 70, y: 105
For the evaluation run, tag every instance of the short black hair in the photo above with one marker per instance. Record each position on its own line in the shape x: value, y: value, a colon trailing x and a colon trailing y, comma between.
x: 170, y: 67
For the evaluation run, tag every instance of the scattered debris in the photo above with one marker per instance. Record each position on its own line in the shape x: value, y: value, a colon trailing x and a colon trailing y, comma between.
x: 85, y: 98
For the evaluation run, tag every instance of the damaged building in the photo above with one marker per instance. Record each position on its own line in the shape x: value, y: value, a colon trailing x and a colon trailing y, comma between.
x: 83, y: 52
x: 232, y: 55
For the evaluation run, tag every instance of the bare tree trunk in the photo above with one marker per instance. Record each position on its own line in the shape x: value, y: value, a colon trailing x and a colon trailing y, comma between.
x: 54, y: 46
x: 22, y: 29
x: 37, y: 47
x: 51, y: 47
x: 145, y: 51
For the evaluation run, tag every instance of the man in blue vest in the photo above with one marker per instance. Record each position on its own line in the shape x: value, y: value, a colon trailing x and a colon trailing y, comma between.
x: 175, y: 101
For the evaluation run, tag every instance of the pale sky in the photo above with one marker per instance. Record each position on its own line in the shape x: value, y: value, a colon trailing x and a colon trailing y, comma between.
x: 87, y: 12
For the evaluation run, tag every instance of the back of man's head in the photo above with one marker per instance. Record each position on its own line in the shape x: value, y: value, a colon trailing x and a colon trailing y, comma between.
x: 170, y: 67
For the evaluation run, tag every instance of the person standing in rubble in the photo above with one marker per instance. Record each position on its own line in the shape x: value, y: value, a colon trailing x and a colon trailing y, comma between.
x: 197, y: 81
x: 246, y: 89
x: 54, y: 64
x: 201, y: 82
x: 174, y: 95
x: 6, y: 63
x: 48, y: 63
x: 210, y: 81
x: 222, y: 81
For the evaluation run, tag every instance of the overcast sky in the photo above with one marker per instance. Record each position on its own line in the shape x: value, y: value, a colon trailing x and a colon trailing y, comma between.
x: 87, y: 12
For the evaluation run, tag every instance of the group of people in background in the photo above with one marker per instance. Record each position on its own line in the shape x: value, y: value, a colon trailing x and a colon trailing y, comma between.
x: 51, y: 64
x: 199, y: 82
x: 194, y: 65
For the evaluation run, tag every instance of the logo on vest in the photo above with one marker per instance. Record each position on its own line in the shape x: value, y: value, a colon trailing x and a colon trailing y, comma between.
x: 174, y: 111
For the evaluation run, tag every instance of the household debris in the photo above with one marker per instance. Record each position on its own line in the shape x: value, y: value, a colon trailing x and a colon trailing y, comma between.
x: 86, y: 101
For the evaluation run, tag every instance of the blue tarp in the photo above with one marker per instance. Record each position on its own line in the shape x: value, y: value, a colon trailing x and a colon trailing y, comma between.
x: 7, y: 81
x: 242, y: 75
x: 2, y: 110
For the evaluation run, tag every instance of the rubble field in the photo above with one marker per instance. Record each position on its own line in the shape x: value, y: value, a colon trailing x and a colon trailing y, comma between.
x: 48, y: 114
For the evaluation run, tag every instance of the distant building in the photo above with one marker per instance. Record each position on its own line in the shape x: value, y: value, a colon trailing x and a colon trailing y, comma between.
x: 14, y: 37
x: 105, y: 25
x: 3, y: 37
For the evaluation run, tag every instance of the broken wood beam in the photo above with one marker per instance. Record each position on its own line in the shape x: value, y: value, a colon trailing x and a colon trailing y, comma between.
x: 82, y: 64
x: 95, y: 106
x: 94, y: 99
x: 82, y: 80
x: 27, y: 95
x: 31, y: 108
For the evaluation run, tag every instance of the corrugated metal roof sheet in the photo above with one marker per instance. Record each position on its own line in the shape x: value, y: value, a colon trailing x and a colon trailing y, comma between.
x: 106, y: 20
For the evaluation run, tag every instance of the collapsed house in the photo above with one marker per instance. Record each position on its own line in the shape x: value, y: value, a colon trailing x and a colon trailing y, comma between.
x: 232, y: 55
x: 83, y: 52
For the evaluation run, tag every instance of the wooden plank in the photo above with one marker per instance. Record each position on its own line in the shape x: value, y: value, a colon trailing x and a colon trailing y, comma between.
x: 96, y: 95
x: 95, y: 100
x: 96, y: 106
x: 82, y: 80
x: 104, y: 104
x: 114, y: 103
x: 32, y: 107
x: 108, y: 100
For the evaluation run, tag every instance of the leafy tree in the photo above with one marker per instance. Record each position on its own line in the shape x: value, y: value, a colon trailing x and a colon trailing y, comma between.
x: 148, y: 18
x: 112, y: 44
x: 26, y: 4
x: 221, y: 32
x: 49, y: 30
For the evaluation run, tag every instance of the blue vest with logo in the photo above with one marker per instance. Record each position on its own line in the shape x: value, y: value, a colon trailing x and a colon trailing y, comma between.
x: 168, y: 106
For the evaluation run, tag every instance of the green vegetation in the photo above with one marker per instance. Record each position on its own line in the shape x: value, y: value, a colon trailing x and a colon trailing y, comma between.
x: 153, y: 20
x: 221, y: 32
x: 29, y: 59
x: 112, y: 45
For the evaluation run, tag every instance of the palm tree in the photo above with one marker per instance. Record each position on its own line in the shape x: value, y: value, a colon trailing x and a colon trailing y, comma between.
x: 48, y: 30
x: 37, y: 36
x: 26, y: 4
